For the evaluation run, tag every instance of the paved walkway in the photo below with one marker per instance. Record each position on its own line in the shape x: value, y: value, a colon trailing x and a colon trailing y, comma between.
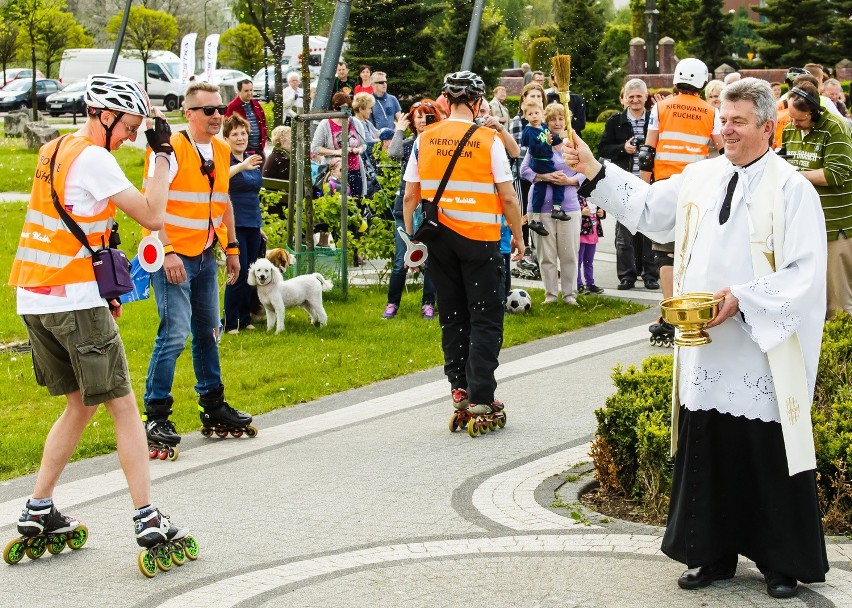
x: 365, y: 499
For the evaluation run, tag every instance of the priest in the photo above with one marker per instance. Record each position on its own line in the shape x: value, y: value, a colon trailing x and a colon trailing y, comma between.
x: 750, y: 229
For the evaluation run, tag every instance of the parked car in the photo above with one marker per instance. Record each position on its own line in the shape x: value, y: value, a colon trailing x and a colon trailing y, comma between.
x: 225, y: 76
x: 16, y: 94
x: 16, y: 73
x: 68, y: 101
x: 259, y: 81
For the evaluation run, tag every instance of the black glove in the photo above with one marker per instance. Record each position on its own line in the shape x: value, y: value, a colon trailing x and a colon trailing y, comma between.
x: 159, y: 136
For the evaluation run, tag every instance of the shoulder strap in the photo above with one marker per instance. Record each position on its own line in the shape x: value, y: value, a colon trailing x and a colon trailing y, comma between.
x: 452, y: 164
x: 69, y: 222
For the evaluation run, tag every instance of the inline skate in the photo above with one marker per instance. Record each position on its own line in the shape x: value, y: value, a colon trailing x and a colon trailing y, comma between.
x: 527, y: 268
x: 662, y: 334
x: 164, y: 544
x: 220, y: 418
x: 478, y: 419
x: 44, y: 529
x: 162, y: 438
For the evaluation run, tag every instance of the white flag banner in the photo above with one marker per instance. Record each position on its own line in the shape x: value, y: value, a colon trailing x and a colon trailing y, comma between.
x: 211, y: 50
x: 187, y: 59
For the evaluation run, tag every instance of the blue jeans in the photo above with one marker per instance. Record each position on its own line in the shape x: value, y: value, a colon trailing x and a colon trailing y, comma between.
x: 238, y: 295
x: 399, y: 273
x: 191, y: 306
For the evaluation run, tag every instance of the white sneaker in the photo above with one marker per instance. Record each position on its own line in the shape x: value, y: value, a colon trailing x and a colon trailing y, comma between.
x: 570, y: 300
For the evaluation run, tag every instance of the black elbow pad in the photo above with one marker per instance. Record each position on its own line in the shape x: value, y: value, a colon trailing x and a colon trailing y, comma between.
x: 646, y: 157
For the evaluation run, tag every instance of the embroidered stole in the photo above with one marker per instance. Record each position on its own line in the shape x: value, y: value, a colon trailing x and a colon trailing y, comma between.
x: 766, y: 227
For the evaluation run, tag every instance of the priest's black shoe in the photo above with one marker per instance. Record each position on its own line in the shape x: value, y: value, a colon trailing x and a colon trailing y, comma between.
x: 696, y: 578
x: 780, y: 586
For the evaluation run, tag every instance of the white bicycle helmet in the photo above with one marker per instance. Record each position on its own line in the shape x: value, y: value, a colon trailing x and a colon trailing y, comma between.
x: 464, y: 84
x: 116, y: 93
x: 691, y: 71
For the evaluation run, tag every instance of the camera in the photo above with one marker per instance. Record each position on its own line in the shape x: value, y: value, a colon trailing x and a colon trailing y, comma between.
x: 637, y: 141
x: 480, y: 122
x: 430, y: 119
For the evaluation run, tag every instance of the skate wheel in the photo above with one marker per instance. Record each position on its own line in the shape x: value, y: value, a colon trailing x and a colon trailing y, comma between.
x: 152, y: 453
x: 163, y: 558
x: 207, y: 431
x: 221, y: 434
x: 190, y: 547
x: 483, y: 427
x: 251, y: 430
x: 178, y: 554
x: 147, y: 565
x: 14, y: 551
x: 454, y: 422
x: 37, y: 547
x: 237, y: 433
x: 472, y: 428
x: 492, y: 425
x: 55, y: 544
x: 174, y: 452
x: 501, y: 420
x: 78, y: 537
x: 163, y: 454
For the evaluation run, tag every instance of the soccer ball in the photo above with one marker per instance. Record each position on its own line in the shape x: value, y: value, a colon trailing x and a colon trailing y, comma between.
x: 518, y: 301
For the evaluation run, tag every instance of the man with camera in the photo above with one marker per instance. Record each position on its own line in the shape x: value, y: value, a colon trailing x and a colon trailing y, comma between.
x: 199, y: 216
x: 622, y: 136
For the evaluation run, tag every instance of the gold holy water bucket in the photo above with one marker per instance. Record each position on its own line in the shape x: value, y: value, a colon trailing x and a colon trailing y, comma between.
x: 689, y: 313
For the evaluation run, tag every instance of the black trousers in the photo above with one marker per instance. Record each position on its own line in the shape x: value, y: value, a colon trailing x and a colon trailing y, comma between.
x: 732, y: 495
x: 633, y: 256
x: 469, y: 277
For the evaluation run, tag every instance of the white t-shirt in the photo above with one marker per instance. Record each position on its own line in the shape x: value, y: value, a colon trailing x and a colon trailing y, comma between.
x: 500, y: 167
x: 94, y: 176
x: 654, y: 121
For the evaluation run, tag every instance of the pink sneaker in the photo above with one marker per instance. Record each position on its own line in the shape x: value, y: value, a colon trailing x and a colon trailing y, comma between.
x: 428, y: 312
x: 390, y: 311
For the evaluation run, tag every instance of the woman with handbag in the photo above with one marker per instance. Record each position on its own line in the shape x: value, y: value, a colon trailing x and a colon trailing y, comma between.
x: 420, y: 114
x: 70, y: 324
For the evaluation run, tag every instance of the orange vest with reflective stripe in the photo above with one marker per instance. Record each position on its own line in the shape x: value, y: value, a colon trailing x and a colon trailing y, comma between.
x: 783, y: 121
x: 686, y: 123
x: 469, y: 205
x: 192, y: 209
x: 48, y: 253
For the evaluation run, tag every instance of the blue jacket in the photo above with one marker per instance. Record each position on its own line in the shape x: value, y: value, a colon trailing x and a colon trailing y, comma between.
x: 244, y: 188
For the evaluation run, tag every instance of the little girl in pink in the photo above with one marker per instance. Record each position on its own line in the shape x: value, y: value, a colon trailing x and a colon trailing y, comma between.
x: 590, y: 231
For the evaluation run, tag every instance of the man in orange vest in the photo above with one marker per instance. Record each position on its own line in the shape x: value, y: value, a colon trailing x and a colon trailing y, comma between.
x: 77, y: 350
x: 198, y: 217
x: 679, y: 131
x: 464, y: 257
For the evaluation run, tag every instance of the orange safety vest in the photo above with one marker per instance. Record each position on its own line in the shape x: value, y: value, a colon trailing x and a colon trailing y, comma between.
x: 193, y: 211
x: 48, y: 253
x: 469, y: 205
x: 686, y: 123
x: 783, y: 120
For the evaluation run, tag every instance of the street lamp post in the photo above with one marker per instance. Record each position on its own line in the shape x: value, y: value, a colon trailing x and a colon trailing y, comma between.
x: 651, y: 14
x: 206, y: 2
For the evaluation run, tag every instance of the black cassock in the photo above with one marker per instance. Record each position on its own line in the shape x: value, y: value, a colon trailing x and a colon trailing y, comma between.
x: 732, y: 494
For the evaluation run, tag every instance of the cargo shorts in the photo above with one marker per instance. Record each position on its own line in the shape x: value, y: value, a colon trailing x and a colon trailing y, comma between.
x: 79, y: 350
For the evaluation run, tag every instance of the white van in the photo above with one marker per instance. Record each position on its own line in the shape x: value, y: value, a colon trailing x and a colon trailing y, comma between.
x: 293, y: 53
x: 163, y: 71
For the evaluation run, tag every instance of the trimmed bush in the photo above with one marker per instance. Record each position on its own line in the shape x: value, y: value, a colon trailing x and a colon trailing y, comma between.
x: 631, y: 447
x: 604, y: 116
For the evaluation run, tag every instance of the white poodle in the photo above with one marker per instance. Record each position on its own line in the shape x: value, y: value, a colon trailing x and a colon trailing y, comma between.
x: 276, y: 294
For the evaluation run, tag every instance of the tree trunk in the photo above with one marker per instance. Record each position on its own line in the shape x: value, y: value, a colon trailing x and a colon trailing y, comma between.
x: 277, y: 56
x: 33, y: 96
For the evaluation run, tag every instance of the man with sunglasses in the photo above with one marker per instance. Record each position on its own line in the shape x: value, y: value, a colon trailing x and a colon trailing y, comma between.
x: 387, y: 109
x: 249, y: 108
x: 199, y: 216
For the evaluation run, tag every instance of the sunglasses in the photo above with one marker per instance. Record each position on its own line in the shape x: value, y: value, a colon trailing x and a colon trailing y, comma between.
x: 209, y: 110
x: 381, y: 82
x: 422, y: 103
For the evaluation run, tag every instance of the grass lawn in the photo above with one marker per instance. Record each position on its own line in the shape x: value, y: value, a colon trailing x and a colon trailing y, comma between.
x: 17, y: 164
x: 308, y: 363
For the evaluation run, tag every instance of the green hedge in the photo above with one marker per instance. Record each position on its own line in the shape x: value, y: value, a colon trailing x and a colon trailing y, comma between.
x: 631, y: 446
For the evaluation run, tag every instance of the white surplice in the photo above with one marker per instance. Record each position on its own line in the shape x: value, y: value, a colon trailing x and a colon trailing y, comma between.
x: 731, y: 374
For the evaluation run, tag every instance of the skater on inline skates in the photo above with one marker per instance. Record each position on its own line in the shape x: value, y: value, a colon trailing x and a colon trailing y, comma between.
x: 744, y: 226
x: 187, y: 286
x: 71, y: 327
x: 464, y: 254
x: 680, y: 128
